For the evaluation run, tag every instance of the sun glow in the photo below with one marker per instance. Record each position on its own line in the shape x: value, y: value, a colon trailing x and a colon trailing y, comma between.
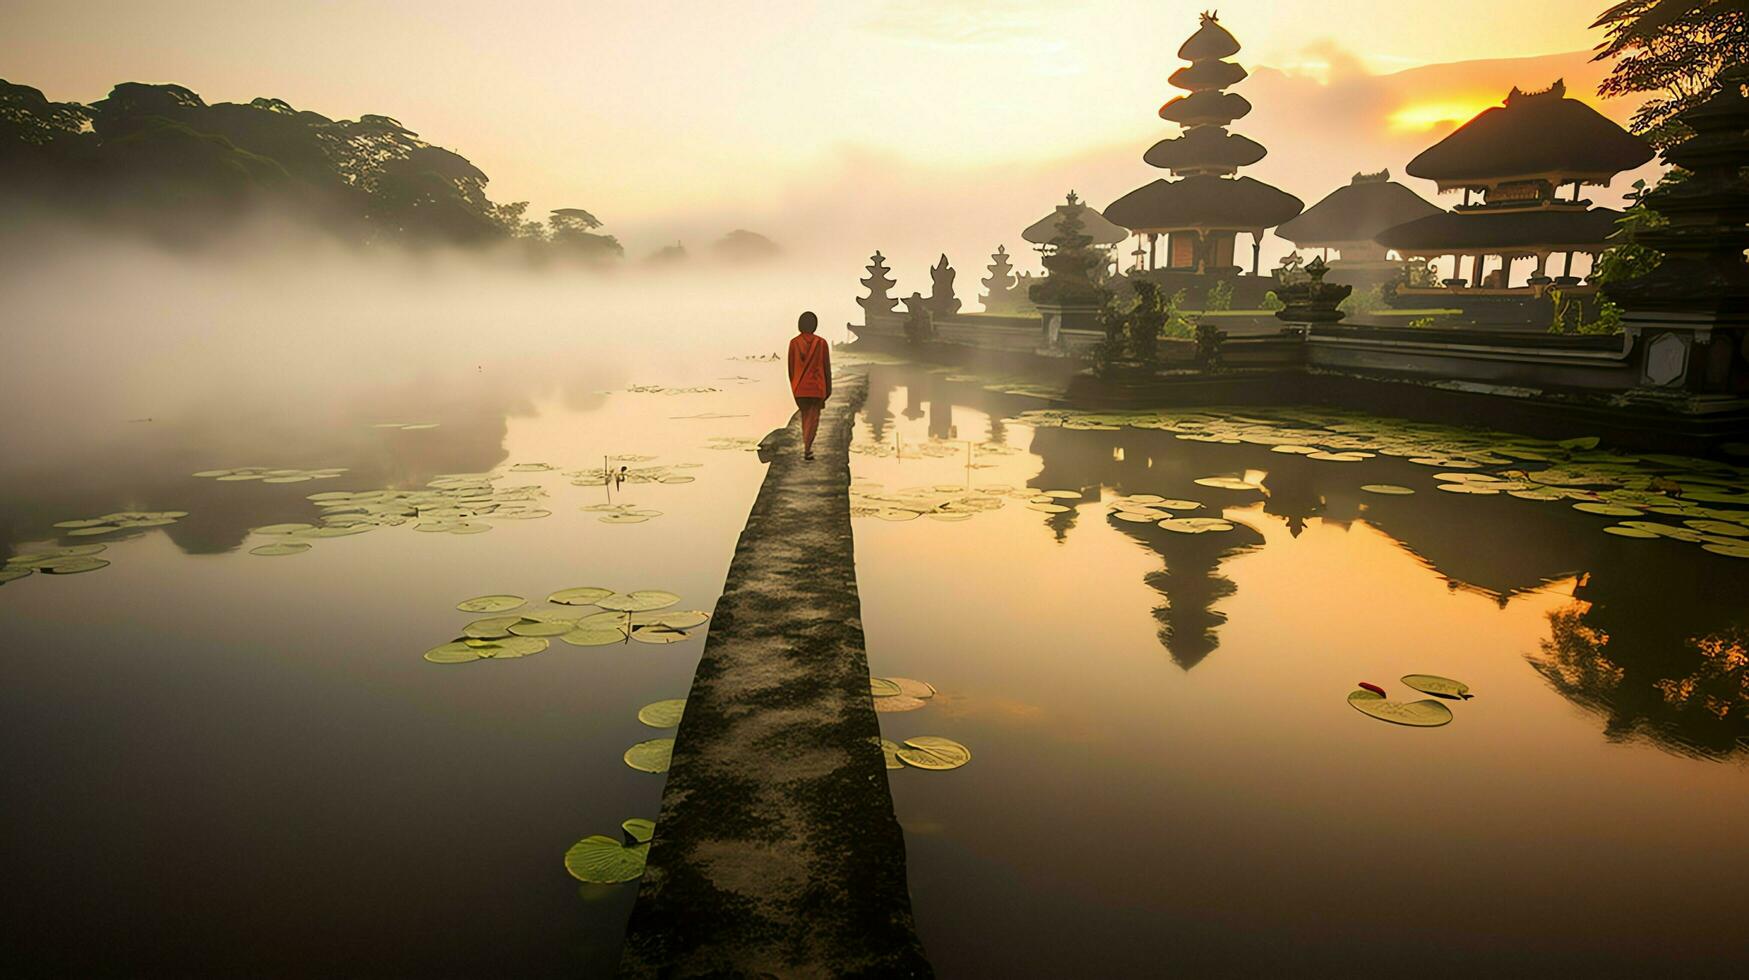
x: 1430, y: 115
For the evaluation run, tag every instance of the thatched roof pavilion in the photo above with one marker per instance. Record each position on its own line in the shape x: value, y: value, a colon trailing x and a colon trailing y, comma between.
x: 1353, y: 215
x: 1534, y: 136
x: 1518, y: 156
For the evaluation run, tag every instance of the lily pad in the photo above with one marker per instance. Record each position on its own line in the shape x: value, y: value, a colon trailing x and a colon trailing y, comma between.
x: 1417, y: 714
x: 1622, y: 531
x: 662, y: 714
x: 642, y: 600
x: 455, y: 652
x: 582, y: 637
x: 897, y: 703
x: 583, y: 595
x: 283, y: 528
x: 281, y: 549
x: 512, y: 647
x: 1227, y: 483
x: 604, y: 861
x: 12, y: 574
x: 1387, y: 489
x: 1439, y: 687
x: 934, y: 752
x: 1608, y: 510
x: 1195, y: 525
x: 659, y: 635
x: 490, y: 628
x: 540, y: 628
x: 890, y: 749
x: 684, y: 619
x: 638, y: 830
x: 651, y: 756
x: 1049, y: 508
x: 911, y: 687
x: 880, y: 687
x: 491, y: 603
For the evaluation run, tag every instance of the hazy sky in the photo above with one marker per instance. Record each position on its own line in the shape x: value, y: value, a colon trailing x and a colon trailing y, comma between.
x: 653, y: 113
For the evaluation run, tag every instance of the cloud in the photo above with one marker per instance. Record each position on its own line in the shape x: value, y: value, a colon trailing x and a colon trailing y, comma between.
x: 1018, y: 24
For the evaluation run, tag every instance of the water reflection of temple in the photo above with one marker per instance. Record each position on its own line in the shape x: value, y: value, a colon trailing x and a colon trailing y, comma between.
x: 1668, y: 666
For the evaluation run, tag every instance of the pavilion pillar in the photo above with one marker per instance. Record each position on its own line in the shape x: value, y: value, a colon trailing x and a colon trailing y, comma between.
x: 1256, y: 252
x: 1153, y: 239
x: 1567, y: 268
x: 1476, y: 263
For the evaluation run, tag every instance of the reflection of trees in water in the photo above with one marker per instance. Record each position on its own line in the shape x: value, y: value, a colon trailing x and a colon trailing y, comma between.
x: 1670, y: 667
x: 151, y: 471
x: 877, y: 407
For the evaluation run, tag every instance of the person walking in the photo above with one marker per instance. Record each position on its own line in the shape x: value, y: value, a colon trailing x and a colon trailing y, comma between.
x: 810, y: 377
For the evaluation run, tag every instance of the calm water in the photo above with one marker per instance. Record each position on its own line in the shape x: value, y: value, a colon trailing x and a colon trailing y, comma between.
x: 224, y: 763
x: 1166, y: 776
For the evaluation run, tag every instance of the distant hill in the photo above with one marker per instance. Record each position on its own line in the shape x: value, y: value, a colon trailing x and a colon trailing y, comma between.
x: 742, y: 245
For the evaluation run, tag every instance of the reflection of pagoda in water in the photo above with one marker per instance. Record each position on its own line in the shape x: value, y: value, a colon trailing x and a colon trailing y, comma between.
x: 1203, y: 211
x: 1518, y: 157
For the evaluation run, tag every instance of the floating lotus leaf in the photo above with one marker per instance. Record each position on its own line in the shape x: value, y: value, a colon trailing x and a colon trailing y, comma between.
x: 89, y: 522
x: 638, y: 830
x: 1388, y: 489
x: 1144, y: 498
x: 283, y: 528
x: 1195, y: 525
x: 86, y: 532
x: 659, y: 635
x: 281, y: 549
x: 895, y: 514
x: 641, y: 600
x: 1472, y: 488
x: 1608, y: 510
x: 622, y: 519
x: 1049, y: 508
x: 213, y: 474
x: 490, y: 603
x: 491, y: 628
x: 1063, y: 494
x: 1622, y: 531
x: 541, y: 628
x: 1419, y: 714
x: 1441, y: 687
x: 947, y: 516
x: 890, y: 750
x: 512, y: 647
x: 934, y: 752
x: 1227, y: 483
x: 1296, y: 450
x: 12, y: 574
x: 1585, y: 442
x: 1726, y: 528
x: 880, y: 687
x: 1171, y: 504
x: 582, y: 637
x: 1138, y: 517
x: 1538, y: 494
x: 662, y: 714
x: 604, y: 861
x: 911, y: 687
x: 1339, y: 457
x: 455, y: 652
x: 684, y: 619
x: 583, y: 595
x: 651, y: 756
x: 1728, y: 550
x: 606, y: 620
x: 898, y: 702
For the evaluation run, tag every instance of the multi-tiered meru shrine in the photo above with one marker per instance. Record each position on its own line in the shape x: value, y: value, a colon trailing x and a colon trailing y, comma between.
x: 1199, y: 214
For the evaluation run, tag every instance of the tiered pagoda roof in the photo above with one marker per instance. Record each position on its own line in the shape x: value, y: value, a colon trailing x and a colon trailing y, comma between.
x: 1208, y: 197
x: 1357, y: 213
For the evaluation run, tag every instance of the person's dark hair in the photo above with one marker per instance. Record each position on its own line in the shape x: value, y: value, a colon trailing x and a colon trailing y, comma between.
x: 808, y: 322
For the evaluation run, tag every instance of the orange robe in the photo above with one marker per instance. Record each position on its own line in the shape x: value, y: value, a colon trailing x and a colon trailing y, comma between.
x: 810, y: 366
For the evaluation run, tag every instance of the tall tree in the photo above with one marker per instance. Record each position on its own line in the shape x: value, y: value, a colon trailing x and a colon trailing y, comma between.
x: 1670, y: 51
